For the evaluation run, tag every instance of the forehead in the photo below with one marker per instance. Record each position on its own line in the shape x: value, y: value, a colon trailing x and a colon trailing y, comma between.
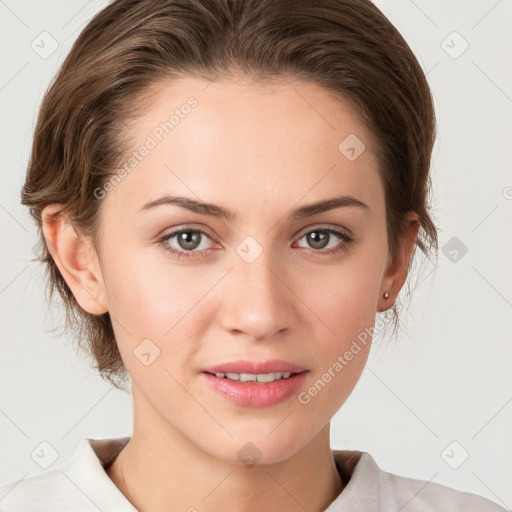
x: 228, y: 140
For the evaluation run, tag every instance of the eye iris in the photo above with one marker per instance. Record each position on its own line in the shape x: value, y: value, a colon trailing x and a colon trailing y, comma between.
x: 186, y: 238
x: 318, y: 239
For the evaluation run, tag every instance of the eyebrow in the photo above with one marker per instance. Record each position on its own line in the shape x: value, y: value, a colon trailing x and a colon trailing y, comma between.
x: 220, y: 212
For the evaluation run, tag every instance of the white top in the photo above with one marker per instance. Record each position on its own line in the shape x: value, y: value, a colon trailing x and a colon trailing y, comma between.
x: 82, y: 484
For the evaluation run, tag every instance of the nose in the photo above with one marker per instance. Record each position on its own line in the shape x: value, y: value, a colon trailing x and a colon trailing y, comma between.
x: 258, y: 299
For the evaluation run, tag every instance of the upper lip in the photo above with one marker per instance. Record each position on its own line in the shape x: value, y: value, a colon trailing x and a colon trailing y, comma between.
x: 255, y: 367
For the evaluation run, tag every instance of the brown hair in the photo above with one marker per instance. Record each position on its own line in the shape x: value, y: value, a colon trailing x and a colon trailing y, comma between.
x: 346, y: 46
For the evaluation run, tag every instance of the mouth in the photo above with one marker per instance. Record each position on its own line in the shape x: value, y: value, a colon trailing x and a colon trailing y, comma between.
x: 256, y: 384
x: 260, y: 378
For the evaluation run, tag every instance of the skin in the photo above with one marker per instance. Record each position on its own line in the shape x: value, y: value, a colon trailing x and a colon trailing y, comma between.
x: 260, y: 150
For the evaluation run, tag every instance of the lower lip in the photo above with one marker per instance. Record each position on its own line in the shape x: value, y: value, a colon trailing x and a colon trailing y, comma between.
x: 252, y: 394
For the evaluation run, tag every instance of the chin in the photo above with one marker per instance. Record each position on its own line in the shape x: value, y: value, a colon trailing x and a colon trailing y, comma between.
x: 250, y: 449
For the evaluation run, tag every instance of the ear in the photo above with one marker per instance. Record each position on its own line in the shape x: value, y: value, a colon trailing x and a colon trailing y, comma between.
x: 396, y: 272
x: 76, y: 260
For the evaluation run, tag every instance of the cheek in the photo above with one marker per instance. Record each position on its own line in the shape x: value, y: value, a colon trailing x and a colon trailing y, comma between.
x: 142, y: 289
x: 344, y: 301
x: 342, y: 344
x: 342, y: 349
x: 342, y: 297
x: 150, y: 299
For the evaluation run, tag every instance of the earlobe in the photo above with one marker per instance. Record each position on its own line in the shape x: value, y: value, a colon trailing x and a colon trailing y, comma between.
x: 76, y: 260
x: 396, y: 274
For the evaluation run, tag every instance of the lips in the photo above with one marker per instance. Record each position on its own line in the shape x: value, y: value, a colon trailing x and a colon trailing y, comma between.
x: 255, y: 394
x: 255, y: 367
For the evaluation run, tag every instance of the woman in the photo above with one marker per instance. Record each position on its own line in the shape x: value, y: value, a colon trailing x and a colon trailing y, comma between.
x: 227, y: 193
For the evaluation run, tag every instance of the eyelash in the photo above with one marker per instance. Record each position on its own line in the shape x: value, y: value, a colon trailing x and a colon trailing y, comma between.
x: 190, y: 254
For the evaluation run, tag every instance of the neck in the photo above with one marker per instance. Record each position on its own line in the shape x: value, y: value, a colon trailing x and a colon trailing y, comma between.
x: 155, y: 479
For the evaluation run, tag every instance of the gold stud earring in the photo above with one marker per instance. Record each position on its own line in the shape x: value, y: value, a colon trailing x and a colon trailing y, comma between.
x: 386, y: 295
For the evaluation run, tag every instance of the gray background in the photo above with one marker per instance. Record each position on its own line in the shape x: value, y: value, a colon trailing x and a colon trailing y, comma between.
x: 441, y: 393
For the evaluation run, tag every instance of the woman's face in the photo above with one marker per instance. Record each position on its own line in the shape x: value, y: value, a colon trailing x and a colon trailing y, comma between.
x: 268, y: 281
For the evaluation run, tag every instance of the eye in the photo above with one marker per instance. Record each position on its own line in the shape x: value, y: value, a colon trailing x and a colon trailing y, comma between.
x: 188, y: 241
x: 321, y: 238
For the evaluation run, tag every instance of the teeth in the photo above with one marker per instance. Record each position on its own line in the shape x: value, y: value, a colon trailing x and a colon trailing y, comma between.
x: 251, y: 377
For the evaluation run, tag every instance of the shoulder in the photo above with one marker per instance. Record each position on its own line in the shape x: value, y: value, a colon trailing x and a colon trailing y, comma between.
x: 40, y: 493
x: 80, y: 484
x: 372, y: 489
x: 428, y: 496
